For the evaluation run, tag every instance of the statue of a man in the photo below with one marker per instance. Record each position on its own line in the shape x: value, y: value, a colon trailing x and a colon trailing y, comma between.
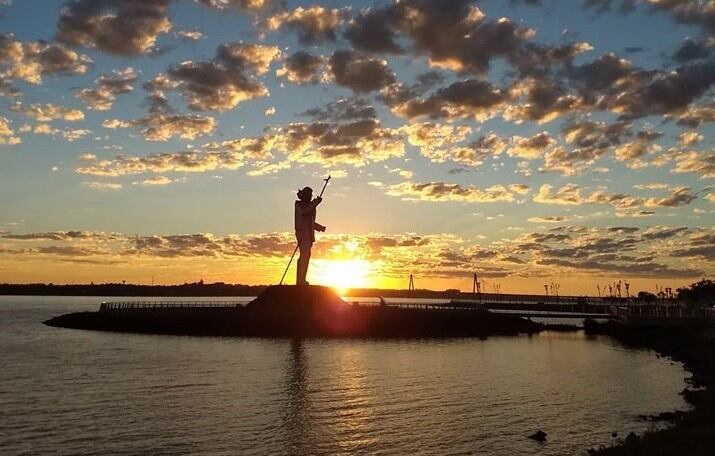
x: 305, y: 227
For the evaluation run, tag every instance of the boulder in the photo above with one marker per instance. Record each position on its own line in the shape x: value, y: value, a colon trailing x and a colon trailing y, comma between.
x: 539, y: 436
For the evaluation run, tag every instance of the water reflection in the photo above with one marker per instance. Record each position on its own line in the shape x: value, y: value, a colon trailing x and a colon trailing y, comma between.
x: 296, y: 418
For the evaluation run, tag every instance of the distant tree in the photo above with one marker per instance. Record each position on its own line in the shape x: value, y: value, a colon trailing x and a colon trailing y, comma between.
x: 646, y: 297
x: 702, y: 292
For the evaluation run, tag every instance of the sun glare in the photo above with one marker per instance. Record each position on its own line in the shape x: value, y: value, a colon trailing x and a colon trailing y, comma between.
x: 342, y: 274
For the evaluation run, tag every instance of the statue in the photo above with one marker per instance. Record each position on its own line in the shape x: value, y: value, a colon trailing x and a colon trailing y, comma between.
x: 305, y: 227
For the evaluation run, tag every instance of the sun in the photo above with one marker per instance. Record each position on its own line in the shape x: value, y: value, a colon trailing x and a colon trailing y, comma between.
x: 342, y: 274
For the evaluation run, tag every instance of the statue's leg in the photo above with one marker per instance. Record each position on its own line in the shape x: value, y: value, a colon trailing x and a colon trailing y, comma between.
x: 303, y: 260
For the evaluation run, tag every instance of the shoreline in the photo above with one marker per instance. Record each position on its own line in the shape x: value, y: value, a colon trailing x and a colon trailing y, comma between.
x: 690, y: 432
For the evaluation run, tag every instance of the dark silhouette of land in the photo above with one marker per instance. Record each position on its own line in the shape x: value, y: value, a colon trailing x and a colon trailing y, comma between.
x: 220, y: 289
x: 692, y: 432
x: 300, y: 311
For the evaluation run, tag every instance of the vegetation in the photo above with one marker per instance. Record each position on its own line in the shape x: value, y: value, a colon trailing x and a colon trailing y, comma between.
x: 702, y: 292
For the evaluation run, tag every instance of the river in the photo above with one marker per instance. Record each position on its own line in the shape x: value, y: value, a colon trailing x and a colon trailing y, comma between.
x: 72, y: 392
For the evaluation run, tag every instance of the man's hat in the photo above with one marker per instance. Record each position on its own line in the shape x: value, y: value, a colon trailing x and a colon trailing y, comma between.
x: 304, y: 192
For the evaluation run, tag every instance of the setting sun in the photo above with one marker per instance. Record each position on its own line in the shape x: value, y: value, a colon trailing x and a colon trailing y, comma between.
x: 343, y: 274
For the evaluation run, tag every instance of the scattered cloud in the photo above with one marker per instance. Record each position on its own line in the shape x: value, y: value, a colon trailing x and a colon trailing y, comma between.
x: 162, y: 127
x: 222, y: 83
x: 124, y: 28
x: 48, y: 112
x: 549, y: 219
x: 94, y: 185
x: 7, y: 134
x: 359, y: 73
x: 312, y: 25
x: 302, y: 68
x: 440, y: 191
x: 31, y: 60
x: 109, y: 86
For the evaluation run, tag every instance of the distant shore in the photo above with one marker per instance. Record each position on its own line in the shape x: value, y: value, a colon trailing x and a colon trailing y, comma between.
x: 219, y: 289
x: 693, y: 432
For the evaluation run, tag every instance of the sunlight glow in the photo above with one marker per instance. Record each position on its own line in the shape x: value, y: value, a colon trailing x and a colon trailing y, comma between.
x: 342, y: 274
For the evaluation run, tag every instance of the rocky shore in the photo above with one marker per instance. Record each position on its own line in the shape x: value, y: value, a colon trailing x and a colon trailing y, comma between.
x: 690, y: 433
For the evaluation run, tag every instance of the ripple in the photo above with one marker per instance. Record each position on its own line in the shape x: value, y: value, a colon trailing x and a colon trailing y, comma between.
x: 84, y: 393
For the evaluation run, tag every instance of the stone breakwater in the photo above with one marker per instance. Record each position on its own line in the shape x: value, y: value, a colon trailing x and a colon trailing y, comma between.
x: 311, y: 311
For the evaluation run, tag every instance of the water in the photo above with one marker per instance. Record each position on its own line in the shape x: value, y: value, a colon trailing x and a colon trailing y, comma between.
x: 73, y: 392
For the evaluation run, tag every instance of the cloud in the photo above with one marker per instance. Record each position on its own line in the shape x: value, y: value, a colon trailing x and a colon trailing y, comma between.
x: 222, y: 83
x: 590, y: 140
x: 185, y: 162
x: 651, y: 186
x: 313, y: 24
x: 702, y: 163
x: 680, y: 196
x: 302, y: 68
x: 249, y: 5
x: 541, y: 100
x: 698, y: 245
x: 696, y: 115
x: 156, y: 181
x: 664, y: 92
x: 430, y: 135
x: 109, y: 86
x: 570, y: 194
x: 617, y: 250
x: 473, y: 98
x: 31, y: 60
x: 263, y: 168
x: 357, y: 142
x: 549, y: 219
x: 359, y: 73
x: 530, y: 148
x: 48, y: 112
x: 125, y: 28
x: 631, y: 152
x: 7, y: 134
x: 710, y: 197
x: 59, y: 236
x: 466, y: 41
x: 440, y: 191
x: 688, y: 138
x: 663, y: 232
x: 162, y: 127
x: 694, y: 49
x: 343, y: 109
x: 689, y: 12
x: 102, y: 185
x: 75, y: 134
x: 191, y: 35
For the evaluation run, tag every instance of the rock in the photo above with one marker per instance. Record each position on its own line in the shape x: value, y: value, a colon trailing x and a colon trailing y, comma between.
x: 539, y: 436
x: 631, y: 438
x: 291, y: 299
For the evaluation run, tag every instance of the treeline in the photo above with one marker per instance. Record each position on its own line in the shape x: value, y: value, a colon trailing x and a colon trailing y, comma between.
x: 197, y: 289
x: 120, y: 289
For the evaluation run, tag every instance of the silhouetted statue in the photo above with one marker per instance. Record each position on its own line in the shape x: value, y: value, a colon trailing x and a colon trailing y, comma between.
x: 305, y: 227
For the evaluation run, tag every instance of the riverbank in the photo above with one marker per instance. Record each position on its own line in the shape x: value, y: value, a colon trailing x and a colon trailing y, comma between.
x: 692, y: 433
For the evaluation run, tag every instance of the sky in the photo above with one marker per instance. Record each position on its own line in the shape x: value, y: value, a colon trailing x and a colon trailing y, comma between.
x: 532, y: 142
